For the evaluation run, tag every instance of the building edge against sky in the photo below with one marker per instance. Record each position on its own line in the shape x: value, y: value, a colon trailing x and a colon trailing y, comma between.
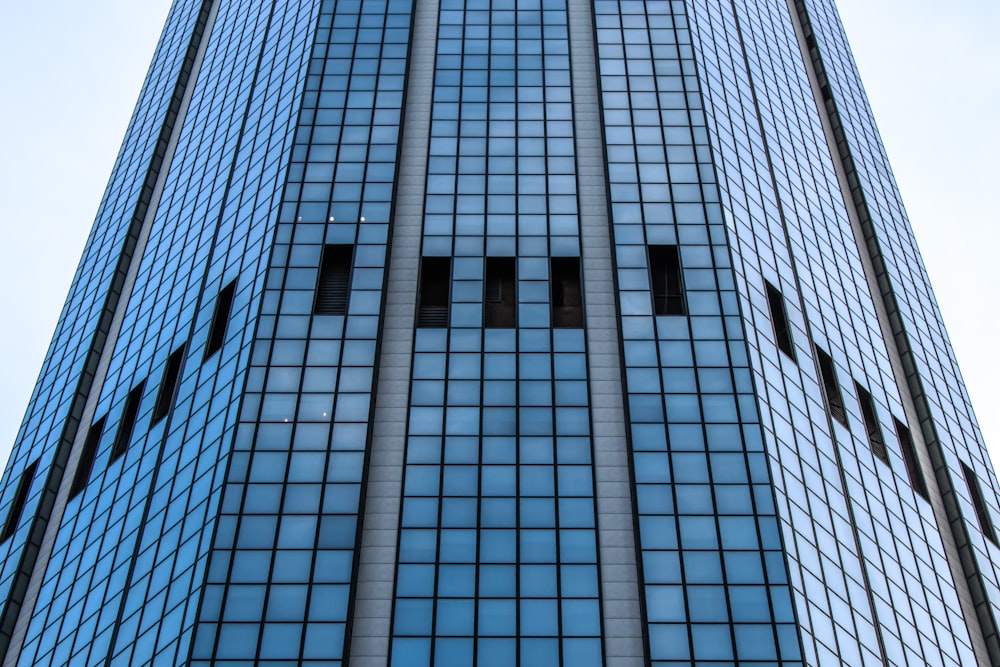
x: 716, y: 119
x: 112, y: 53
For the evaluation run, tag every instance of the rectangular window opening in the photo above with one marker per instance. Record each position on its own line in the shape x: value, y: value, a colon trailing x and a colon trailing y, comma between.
x: 220, y: 319
x: 127, y: 423
x: 87, y: 457
x: 435, y: 292
x: 779, y: 320
x: 667, y: 280
x: 875, y: 440
x: 567, y: 295
x: 910, y: 460
x: 20, y: 498
x: 834, y: 399
x: 979, y: 502
x: 334, y: 286
x: 168, y: 385
x: 500, y: 293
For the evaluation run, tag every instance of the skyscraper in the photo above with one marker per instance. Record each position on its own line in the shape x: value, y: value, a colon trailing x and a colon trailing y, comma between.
x: 500, y: 333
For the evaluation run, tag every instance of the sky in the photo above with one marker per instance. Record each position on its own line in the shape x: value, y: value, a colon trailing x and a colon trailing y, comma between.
x: 70, y: 73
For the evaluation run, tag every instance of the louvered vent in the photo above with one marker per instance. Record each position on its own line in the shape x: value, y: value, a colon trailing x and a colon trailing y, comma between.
x: 220, y: 319
x: 435, y: 292
x: 87, y: 456
x: 566, y: 294
x: 834, y: 399
x: 127, y: 424
x: 875, y: 440
x: 779, y: 320
x: 17, y: 505
x: 500, y: 293
x: 979, y: 503
x: 909, y: 452
x: 334, y: 280
x: 433, y: 316
x: 494, y: 292
x: 168, y: 385
x: 667, y: 280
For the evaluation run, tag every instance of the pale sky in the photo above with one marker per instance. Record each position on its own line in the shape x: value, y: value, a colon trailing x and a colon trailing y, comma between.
x: 70, y: 73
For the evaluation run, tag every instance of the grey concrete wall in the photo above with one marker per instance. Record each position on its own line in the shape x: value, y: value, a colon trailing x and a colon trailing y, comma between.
x: 372, y: 615
x: 624, y: 643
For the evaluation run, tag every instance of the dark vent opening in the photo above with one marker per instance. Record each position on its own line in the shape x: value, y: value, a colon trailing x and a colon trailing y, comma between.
x: 666, y: 280
x: 334, y: 284
x: 87, y: 457
x: 127, y: 424
x: 910, y: 459
x: 834, y: 399
x: 779, y: 320
x: 435, y: 292
x: 875, y: 440
x: 979, y: 503
x: 220, y: 319
x: 17, y: 504
x: 567, y: 295
x: 500, y: 293
x: 168, y: 385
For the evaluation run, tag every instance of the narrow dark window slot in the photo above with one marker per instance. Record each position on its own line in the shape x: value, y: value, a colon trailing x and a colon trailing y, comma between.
x: 909, y: 453
x: 834, y: 399
x: 127, y: 423
x: 779, y: 320
x: 435, y: 292
x: 567, y: 295
x: 333, y: 288
x: 666, y: 279
x: 875, y: 440
x: 500, y: 293
x: 87, y: 457
x: 168, y: 385
x: 220, y: 319
x: 17, y: 504
x: 979, y: 502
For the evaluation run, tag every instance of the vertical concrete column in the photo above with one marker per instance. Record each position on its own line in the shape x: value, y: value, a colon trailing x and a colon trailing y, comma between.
x: 372, y: 613
x: 624, y: 642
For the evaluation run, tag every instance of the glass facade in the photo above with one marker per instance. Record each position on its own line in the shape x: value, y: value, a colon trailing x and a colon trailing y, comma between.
x: 336, y: 383
x: 279, y: 575
x: 497, y: 556
x: 715, y: 584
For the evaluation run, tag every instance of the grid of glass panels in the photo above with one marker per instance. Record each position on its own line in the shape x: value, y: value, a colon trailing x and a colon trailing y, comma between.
x: 888, y: 588
x: 497, y: 554
x: 54, y: 392
x: 811, y: 477
x: 942, y: 389
x: 714, y: 575
x: 497, y: 562
x: 279, y: 574
x: 122, y: 581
